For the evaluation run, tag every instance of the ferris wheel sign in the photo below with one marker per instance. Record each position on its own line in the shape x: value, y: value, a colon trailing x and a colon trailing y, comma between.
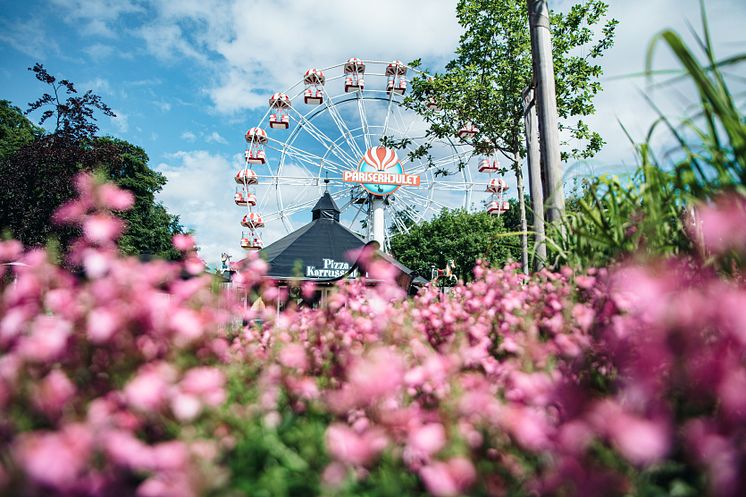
x: 380, y: 172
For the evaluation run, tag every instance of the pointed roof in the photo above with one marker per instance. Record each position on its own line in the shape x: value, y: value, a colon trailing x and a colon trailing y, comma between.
x: 322, y: 250
x: 325, y: 208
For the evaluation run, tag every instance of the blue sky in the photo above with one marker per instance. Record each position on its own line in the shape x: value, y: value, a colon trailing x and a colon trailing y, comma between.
x: 188, y: 78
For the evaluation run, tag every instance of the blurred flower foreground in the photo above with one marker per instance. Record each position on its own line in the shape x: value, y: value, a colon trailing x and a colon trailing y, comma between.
x: 120, y: 377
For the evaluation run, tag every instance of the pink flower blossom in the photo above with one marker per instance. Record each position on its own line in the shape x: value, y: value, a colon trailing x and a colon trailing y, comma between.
x: 101, y: 228
x: 450, y: 478
x: 184, y: 243
x: 48, y: 339
x: 55, y: 392
x: 55, y: 459
x: 115, y: 198
x: 102, y: 324
x: 427, y: 439
x: 352, y: 448
x: 147, y: 391
x: 294, y: 356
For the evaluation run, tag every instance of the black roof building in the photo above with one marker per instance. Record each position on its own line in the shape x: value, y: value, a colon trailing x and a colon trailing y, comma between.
x: 323, y: 250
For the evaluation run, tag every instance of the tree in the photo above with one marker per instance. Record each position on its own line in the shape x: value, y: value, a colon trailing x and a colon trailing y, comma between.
x: 484, y: 83
x: 456, y: 235
x: 38, y: 170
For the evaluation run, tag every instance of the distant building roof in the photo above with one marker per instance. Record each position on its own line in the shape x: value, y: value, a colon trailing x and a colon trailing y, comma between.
x: 324, y: 249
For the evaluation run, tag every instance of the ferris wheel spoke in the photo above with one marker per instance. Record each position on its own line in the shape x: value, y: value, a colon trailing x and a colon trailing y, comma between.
x: 388, y: 115
x: 426, y: 199
x: 414, y: 209
x: 322, y: 138
x: 363, y: 121
x: 312, y: 160
x: 450, y: 186
x: 357, y: 213
x: 343, y: 128
x: 296, y: 152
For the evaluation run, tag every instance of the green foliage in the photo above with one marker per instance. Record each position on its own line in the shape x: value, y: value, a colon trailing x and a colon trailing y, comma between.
x: 15, y: 130
x: 455, y: 235
x: 38, y: 170
x: 493, y: 66
x: 647, y: 215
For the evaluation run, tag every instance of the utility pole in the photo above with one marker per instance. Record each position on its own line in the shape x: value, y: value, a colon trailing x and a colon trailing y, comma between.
x: 546, y: 100
x: 535, y: 183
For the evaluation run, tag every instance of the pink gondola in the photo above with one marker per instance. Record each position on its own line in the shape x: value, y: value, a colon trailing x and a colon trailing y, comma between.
x: 255, y: 157
x: 252, y: 220
x: 398, y: 87
x: 396, y: 68
x: 313, y: 97
x: 314, y: 77
x: 244, y: 199
x: 279, y: 121
x: 279, y: 101
x: 497, y: 185
x: 256, y: 135
x: 468, y: 130
x: 496, y: 208
x: 354, y: 84
x: 246, y: 176
x: 354, y: 66
x: 488, y: 166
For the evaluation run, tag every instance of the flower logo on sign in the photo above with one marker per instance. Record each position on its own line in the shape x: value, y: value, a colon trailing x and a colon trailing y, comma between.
x: 380, y: 172
x: 378, y: 160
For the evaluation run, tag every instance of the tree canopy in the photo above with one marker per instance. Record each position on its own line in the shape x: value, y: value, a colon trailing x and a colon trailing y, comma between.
x: 38, y: 168
x: 456, y: 235
x: 492, y: 68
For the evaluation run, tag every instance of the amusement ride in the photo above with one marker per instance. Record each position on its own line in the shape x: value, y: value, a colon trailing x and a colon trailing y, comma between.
x: 346, y: 129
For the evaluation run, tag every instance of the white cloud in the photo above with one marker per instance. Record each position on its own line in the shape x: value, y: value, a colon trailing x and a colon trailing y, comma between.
x: 27, y: 37
x: 121, y: 121
x: 99, y: 51
x: 215, y: 137
x: 96, y: 17
x: 200, y: 191
x: 98, y: 85
x: 188, y: 136
x: 622, y: 99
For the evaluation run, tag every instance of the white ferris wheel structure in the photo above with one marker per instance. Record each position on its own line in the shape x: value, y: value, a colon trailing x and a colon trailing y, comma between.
x: 324, y: 126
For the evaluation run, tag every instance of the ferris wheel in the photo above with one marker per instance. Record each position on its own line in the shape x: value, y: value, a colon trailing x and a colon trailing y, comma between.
x: 345, y: 129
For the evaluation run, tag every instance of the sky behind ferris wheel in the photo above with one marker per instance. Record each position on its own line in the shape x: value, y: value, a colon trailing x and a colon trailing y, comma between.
x: 187, y: 78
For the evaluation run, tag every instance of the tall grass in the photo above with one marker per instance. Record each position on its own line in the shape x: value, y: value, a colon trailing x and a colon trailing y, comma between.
x: 646, y: 215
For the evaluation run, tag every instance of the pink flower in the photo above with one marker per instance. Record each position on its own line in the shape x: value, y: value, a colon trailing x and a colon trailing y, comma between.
x: 102, y: 228
x: 187, y: 325
x: 206, y: 383
x: 351, y: 448
x: 126, y: 450
x: 183, y: 243
x: 294, y: 356
x: 427, y: 439
x: 147, y: 391
x: 55, y: 391
x: 451, y: 478
x: 115, y: 198
x: 378, y: 375
x: 102, y: 324
x: 721, y: 224
x: 55, y: 459
x: 48, y: 339
x: 10, y: 250
x: 185, y: 407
